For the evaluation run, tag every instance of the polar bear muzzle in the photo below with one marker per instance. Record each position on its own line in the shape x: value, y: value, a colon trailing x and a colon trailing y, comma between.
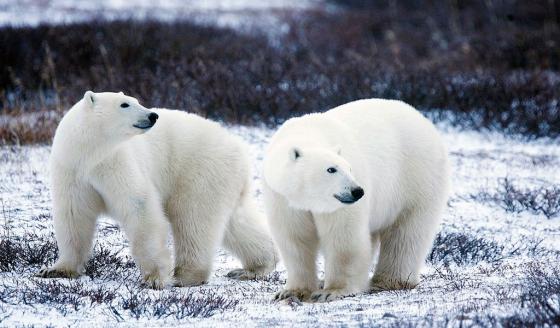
x: 148, y: 122
x: 353, y: 196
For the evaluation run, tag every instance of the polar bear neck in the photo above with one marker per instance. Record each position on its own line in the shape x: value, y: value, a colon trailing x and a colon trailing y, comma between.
x: 77, y: 144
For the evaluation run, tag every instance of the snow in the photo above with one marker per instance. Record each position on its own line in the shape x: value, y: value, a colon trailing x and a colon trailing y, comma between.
x: 478, y: 160
x: 239, y: 14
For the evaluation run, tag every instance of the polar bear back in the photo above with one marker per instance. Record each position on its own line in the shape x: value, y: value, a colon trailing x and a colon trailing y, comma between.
x: 392, y: 148
x: 396, y: 138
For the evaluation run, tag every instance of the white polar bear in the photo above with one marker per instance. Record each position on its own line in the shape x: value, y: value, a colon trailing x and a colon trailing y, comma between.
x: 108, y: 159
x: 367, y: 171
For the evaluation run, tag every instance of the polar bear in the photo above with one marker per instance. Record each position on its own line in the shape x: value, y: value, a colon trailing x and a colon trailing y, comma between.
x: 368, y: 177
x: 109, y: 156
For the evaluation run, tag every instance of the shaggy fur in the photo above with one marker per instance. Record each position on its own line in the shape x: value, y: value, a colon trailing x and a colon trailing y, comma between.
x: 185, y: 170
x: 313, y: 168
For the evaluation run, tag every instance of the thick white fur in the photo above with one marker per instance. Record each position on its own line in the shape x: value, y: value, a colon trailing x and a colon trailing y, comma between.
x: 185, y: 170
x: 397, y: 157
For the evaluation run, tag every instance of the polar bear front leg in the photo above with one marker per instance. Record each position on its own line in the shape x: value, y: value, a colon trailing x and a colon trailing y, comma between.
x: 298, y: 249
x: 404, y: 247
x: 75, y: 211
x: 145, y: 225
x: 346, y: 245
x: 295, y: 235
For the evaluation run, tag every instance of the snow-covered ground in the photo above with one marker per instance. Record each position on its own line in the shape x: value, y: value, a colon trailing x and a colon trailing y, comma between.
x: 238, y: 14
x: 487, y: 283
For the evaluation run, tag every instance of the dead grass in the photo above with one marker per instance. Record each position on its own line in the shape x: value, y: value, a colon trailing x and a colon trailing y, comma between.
x: 544, y: 200
x: 475, y: 64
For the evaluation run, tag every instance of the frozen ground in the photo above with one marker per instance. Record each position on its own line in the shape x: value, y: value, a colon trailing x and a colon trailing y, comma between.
x: 239, y: 14
x: 479, y: 272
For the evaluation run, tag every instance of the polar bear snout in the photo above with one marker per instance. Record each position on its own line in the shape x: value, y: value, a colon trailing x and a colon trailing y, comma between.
x: 147, y: 122
x: 153, y: 118
x: 357, y: 193
x: 351, y: 197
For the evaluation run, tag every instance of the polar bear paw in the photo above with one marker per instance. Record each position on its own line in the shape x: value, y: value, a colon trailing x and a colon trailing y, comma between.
x: 300, y: 294
x: 242, y: 274
x: 189, y: 278
x: 327, y: 295
x: 248, y: 274
x: 182, y: 282
x: 378, y: 285
x: 57, y: 273
x: 155, y: 281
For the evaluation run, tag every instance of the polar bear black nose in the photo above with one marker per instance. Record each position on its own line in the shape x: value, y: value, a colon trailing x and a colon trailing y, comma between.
x: 357, y: 193
x: 153, y: 118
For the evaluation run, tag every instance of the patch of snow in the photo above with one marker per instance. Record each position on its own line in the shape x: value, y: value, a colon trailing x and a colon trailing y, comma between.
x: 239, y: 14
x: 478, y: 160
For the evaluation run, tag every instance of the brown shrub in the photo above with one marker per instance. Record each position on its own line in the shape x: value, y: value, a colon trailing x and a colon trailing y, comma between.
x: 472, y: 63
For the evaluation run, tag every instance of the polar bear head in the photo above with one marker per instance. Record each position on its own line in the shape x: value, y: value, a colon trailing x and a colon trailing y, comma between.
x: 313, y: 179
x: 116, y: 115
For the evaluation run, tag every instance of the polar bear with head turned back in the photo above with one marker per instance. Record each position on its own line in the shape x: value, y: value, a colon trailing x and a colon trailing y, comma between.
x: 150, y: 169
x: 368, y: 177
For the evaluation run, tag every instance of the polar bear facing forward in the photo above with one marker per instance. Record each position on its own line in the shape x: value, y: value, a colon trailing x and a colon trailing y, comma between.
x: 367, y: 174
x: 148, y: 169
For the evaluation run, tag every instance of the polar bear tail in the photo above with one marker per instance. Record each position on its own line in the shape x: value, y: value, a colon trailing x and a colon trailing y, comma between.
x: 248, y: 238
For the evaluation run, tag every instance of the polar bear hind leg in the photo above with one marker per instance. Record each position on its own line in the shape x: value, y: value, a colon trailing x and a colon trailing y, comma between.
x: 246, y: 237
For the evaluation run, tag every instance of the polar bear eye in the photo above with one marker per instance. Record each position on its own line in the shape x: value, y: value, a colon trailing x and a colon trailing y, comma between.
x: 124, y: 105
x: 331, y: 170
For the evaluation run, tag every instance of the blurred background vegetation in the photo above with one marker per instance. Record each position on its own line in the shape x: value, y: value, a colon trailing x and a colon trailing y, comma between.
x: 477, y: 64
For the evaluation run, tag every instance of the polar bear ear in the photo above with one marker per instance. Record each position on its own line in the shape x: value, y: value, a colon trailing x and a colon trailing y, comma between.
x: 89, y: 97
x: 121, y: 93
x: 295, y: 153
